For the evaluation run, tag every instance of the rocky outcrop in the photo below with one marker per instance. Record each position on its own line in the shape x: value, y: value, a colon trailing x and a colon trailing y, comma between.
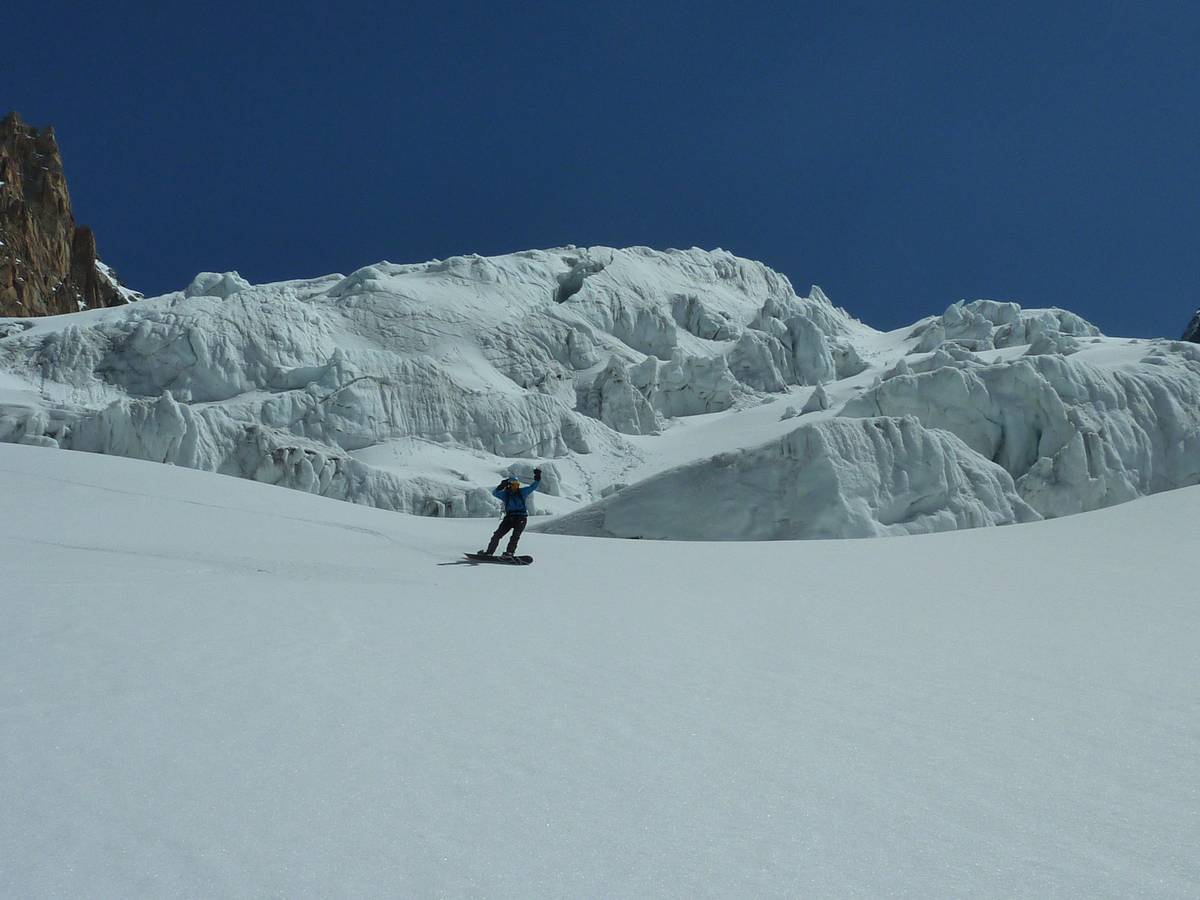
x: 47, y: 264
x: 1192, y: 332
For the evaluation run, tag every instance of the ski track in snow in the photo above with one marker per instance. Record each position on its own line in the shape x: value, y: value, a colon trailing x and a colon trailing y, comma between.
x: 210, y: 687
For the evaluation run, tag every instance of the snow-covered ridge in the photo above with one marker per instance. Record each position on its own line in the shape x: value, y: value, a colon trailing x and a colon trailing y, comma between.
x: 109, y: 275
x: 413, y: 387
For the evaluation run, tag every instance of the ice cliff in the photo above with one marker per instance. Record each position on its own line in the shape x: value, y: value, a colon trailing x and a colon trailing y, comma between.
x: 630, y: 376
x: 842, y: 478
x: 538, y: 355
x: 1074, y: 435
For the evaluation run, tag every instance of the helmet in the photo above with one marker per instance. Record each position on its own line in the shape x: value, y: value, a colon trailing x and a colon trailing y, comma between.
x: 513, y: 484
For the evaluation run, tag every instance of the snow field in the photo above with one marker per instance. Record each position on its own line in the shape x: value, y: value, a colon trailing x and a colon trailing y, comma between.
x: 209, y: 687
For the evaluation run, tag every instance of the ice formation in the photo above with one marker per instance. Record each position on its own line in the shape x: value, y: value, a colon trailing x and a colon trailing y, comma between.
x: 989, y: 324
x: 536, y: 355
x: 1075, y: 436
x: 413, y: 387
x: 817, y: 401
x: 836, y: 479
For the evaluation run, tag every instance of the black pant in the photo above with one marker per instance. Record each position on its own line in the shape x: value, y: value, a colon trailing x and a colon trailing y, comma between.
x: 511, y: 522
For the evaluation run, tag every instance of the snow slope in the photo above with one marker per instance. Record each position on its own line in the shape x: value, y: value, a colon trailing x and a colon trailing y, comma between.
x: 415, y: 387
x: 212, y: 688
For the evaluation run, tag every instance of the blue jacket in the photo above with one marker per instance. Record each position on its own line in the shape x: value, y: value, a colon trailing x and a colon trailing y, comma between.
x: 514, y: 503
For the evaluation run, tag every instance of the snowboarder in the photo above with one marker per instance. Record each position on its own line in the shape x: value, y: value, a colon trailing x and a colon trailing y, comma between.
x: 516, y: 514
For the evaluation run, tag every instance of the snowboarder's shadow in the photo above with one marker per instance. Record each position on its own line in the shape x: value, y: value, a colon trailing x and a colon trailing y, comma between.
x: 462, y: 562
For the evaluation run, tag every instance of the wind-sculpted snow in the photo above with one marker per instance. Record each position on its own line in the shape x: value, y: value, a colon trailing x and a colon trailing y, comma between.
x: 1074, y: 436
x: 835, y: 479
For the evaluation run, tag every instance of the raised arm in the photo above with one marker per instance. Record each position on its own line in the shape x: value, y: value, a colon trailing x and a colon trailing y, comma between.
x: 537, y: 480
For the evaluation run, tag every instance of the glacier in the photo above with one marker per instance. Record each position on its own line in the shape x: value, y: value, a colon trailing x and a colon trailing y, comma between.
x: 840, y: 478
x: 684, y: 394
x: 1075, y: 436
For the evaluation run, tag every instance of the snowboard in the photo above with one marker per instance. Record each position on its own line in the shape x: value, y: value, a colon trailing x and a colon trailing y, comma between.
x: 514, y: 561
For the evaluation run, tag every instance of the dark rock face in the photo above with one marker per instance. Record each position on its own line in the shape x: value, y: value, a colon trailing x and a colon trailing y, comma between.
x: 47, y: 264
x: 1192, y: 332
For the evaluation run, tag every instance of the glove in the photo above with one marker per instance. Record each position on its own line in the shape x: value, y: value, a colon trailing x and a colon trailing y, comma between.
x: 537, y: 474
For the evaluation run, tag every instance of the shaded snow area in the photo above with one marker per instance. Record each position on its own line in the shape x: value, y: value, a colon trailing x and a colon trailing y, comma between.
x: 415, y: 387
x: 209, y: 687
x: 841, y: 478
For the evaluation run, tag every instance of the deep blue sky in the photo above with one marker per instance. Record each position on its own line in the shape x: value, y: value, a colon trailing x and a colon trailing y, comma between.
x: 901, y: 155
